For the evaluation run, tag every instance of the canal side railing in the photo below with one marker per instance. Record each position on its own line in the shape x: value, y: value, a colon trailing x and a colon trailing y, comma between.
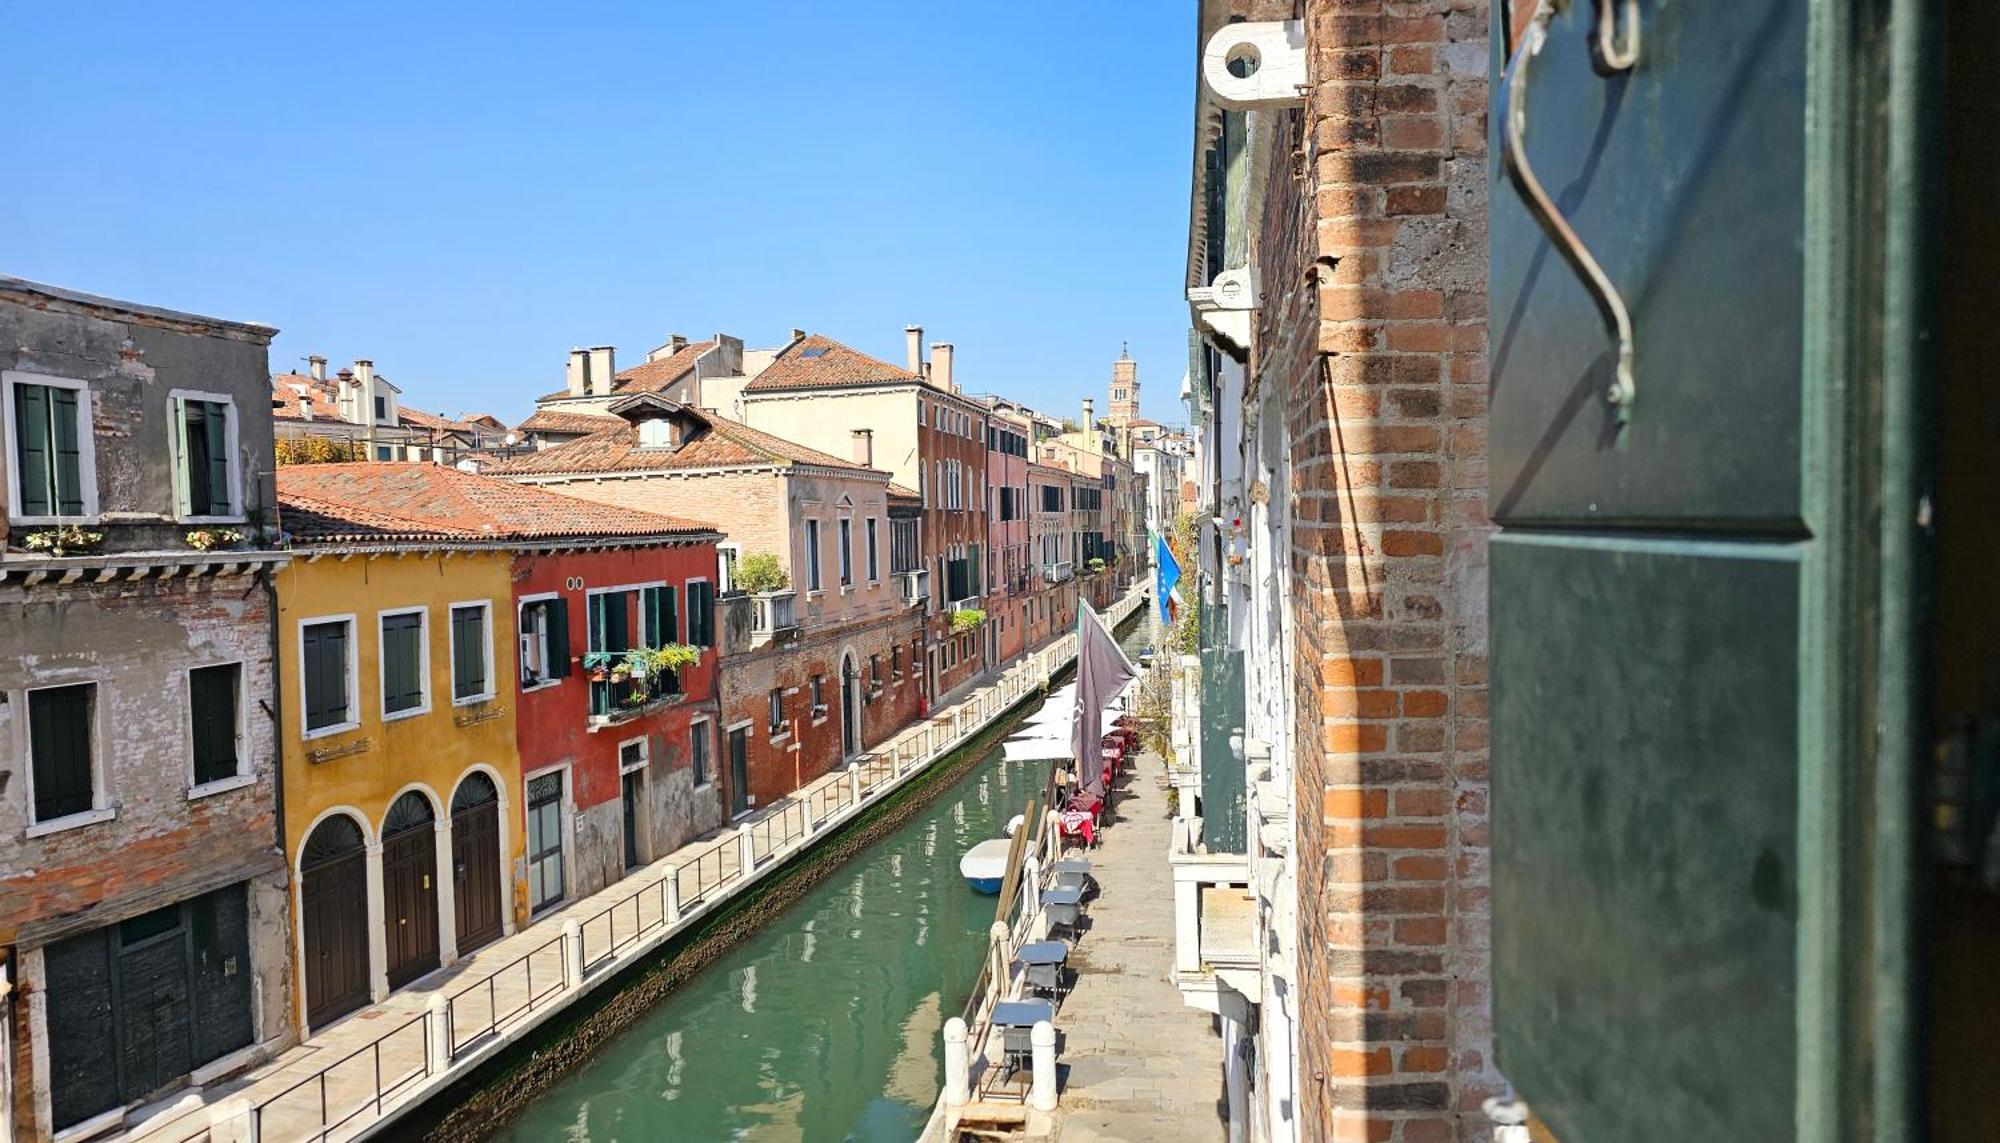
x: 367, y: 1087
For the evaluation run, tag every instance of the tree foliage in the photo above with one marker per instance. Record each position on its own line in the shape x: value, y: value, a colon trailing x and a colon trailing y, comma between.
x: 318, y: 450
x: 760, y: 571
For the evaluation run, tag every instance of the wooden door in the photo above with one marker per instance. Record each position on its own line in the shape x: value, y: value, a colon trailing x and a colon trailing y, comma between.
x: 475, y: 860
x: 334, y: 904
x: 409, y: 890
x: 632, y: 792
x: 155, y: 1045
x: 739, y: 772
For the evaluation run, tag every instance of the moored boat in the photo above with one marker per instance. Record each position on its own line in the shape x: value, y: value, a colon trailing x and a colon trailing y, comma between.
x: 984, y: 866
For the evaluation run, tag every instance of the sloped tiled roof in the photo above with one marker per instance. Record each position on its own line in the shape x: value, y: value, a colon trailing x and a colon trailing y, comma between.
x: 385, y: 503
x: 288, y: 389
x: 819, y: 362
x: 557, y: 421
x: 725, y: 444
x: 651, y: 376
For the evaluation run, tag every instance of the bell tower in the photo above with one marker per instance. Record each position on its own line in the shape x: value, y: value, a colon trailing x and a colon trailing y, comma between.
x: 1124, y: 389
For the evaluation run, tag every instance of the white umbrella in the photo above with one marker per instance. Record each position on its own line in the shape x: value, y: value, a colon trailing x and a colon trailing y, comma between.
x: 1036, y: 750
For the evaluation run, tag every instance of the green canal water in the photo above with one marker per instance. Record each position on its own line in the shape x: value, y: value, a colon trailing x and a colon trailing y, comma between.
x: 828, y: 1024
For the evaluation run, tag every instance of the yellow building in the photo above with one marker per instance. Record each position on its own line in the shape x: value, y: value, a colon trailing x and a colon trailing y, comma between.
x: 397, y: 651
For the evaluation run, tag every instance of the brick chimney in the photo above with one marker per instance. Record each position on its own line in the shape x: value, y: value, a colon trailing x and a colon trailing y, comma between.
x: 864, y: 447
x: 576, y: 376
x: 941, y: 366
x: 316, y: 366
x: 913, y: 348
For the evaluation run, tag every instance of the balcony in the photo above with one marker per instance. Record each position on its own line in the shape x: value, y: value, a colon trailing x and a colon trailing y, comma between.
x: 969, y: 603
x: 773, y: 615
x: 916, y: 585
x: 1059, y: 572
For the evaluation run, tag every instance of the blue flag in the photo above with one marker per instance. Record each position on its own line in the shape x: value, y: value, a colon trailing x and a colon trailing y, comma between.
x: 1169, y: 571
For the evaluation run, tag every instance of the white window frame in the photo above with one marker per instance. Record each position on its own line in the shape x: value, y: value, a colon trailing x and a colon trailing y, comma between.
x: 725, y: 582
x: 177, y: 399
x: 814, y: 584
x: 521, y: 632
x: 101, y: 809
x: 86, y: 447
x: 244, y: 775
x: 565, y: 825
x: 844, y: 531
x: 382, y: 662
x: 486, y: 636
x: 784, y: 729
x: 873, y: 540
x: 353, y: 674
x: 817, y: 712
x: 643, y: 742
x: 701, y: 728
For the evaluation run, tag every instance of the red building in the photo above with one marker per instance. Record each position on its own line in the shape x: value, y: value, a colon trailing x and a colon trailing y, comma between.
x: 620, y: 764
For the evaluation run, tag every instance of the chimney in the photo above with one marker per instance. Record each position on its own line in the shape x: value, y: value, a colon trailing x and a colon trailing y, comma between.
x: 1089, y: 419
x: 364, y: 374
x: 676, y: 342
x: 344, y: 403
x: 941, y: 366
x: 798, y: 335
x: 305, y: 408
x: 604, y: 367
x: 577, y: 377
x: 864, y: 447
x: 316, y: 365
x: 913, y: 347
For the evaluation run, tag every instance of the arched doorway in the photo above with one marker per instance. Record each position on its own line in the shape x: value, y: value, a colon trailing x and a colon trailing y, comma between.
x: 850, y: 706
x: 475, y: 861
x: 409, y: 888
x: 333, y: 903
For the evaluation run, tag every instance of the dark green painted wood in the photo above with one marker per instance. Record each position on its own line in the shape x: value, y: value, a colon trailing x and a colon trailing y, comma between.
x: 1224, y: 821
x: 1685, y: 179
x: 1645, y: 778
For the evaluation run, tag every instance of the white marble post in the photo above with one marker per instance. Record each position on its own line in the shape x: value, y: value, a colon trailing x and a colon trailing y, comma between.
x: 957, y: 1064
x: 572, y: 954
x: 438, y: 1034
x: 670, y: 895
x: 747, y: 849
x: 1042, y: 1041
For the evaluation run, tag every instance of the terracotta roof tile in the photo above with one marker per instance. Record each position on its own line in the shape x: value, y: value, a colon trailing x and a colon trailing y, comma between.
x: 819, y: 362
x: 557, y: 421
x: 650, y: 376
x: 362, y: 503
x: 725, y: 444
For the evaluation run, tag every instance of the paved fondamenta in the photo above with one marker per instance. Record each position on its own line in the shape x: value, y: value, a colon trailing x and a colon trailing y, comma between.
x: 1136, y: 1062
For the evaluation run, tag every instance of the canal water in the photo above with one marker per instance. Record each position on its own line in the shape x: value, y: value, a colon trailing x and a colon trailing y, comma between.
x: 828, y: 1024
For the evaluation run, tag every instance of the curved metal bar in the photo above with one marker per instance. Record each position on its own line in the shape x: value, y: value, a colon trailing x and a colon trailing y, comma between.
x: 1515, y: 155
x: 1612, y: 57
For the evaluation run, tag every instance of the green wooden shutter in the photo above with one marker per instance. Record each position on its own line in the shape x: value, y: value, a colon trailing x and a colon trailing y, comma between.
x: 325, y: 653
x: 68, y: 452
x: 33, y: 451
x: 59, y: 735
x: 402, y: 663
x: 673, y: 615
x: 212, y: 703
x: 217, y: 428
x: 558, y: 628
x: 468, y: 626
x: 596, y: 618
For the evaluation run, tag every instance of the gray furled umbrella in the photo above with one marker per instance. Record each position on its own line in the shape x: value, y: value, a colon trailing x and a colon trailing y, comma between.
x: 1102, y: 670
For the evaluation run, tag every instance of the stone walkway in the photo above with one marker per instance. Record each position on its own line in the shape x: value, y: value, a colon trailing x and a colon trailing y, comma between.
x: 1135, y: 1062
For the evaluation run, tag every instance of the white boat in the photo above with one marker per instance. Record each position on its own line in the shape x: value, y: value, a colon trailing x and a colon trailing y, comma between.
x: 984, y: 866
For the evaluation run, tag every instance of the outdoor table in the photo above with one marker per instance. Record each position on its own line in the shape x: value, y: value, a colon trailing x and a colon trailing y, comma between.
x: 1016, y: 1020
x: 1072, y: 865
x: 1041, y: 964
x: 1064, y: 905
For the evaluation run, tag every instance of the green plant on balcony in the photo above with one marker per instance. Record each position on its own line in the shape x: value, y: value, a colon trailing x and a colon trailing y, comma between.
x: 640, y: 662
x: 209, y: 539
x: 963, y: 621
x: 760, y: 571
x: 68, y: 540
x: 675, y: 657
x: 1096, y: 564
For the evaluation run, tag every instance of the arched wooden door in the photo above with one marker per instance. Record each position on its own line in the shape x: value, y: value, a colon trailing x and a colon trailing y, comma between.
x: 409, y: 888
x: 475, y: 860
x: 333, y: 901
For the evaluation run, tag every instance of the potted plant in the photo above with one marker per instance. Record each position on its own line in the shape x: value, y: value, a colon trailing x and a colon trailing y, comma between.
x: 675, y: 657
x: 963, y: 621
x: 70, y: 539
x: 209, y: 539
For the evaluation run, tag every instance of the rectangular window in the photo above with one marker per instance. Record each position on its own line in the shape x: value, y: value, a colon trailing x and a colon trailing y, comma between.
x: 381, y: 408
x: 544, y: 628
x: 896, y: 661
x: 727, y: 557
x: 51, y: 429
x: 385, y: 452
x: 701, y: 613
x: 874, y: 560
x: 212, y: 704
x: 203, y: 469
x: 471, y: 678
x: 545, y: 848
x: 818, y: 695
x: 59, y: 750
x: 846, y: 552
x: 812, y: 555
x: 659, y: 616
x: 777, y: 711
x: 329, y: 684
x: 903, y: 555
x: 698, y: 752
x: 404, y: 663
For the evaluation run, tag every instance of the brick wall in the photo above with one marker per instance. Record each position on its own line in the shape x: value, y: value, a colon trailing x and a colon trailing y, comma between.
x: 1373, y: 248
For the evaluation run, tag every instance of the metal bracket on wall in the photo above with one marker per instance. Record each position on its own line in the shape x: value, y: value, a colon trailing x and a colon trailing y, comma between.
x: 1612, y: 56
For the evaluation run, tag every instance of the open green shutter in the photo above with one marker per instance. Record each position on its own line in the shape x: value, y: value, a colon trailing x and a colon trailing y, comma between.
x: 617, y: 626
x: 32, y: 450
x: 68, y: 452
x: 558, y: 630
x: 673, y: 628
x: 215, y: 426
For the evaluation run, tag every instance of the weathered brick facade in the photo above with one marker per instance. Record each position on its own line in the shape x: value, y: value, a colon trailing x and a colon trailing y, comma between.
x: 1371, y: 246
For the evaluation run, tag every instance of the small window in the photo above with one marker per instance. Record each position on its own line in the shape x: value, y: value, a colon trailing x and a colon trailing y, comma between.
x: 631, y: 755
x: 812, y: 555
x: 777, y: 711
x: 655, y: 433
x: 701, y: 613
x: 403, y: 663
x: 60, y: 748
x: 213, y: 705
x: 874, y: 560
x: 818, y: 695
x: 385, y: 452
x: 381, y: 408
x: 896, y: 661
x: 846, y: 552
x: 203, y: 469
x: 51, y: 431
x: 544, y: 641
x: 328, y: 682
x: 470, y: 673
x: 698, y: 752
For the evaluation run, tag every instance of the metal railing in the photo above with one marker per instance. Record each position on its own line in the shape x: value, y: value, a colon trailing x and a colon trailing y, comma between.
x: 307, y: 1110
x: 706, y: 870
x: 512, y: 991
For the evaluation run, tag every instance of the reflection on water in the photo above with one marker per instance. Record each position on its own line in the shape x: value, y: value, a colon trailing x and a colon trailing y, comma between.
x: 825, y: 1025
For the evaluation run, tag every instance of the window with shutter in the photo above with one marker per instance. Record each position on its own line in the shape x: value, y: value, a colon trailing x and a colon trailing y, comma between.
x: 204, y: 463
x: 701, y: 614
x: 403, y: 666
x: 49, y: 428
x: 59, y: 746
x: 846, y: 552
x: 212, y: 703
x: 874, y: 559
x: 329, y: 689
x: 468, y: 653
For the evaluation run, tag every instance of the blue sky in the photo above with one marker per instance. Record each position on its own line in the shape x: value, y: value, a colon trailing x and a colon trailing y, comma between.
x: 463, y: 193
